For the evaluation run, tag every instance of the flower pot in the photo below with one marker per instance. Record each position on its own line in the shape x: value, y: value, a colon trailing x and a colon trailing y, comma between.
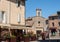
x: 21, y: 38
x: 33, y: 38
x: 13, y: 40
x: 7, y: 39
x: 26, y: 39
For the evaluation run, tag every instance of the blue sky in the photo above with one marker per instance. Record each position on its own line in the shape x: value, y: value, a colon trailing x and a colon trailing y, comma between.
x: 48, y: 7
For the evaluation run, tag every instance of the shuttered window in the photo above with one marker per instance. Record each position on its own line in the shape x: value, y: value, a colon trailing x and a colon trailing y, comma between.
x: 19, y: 18
x: 3, y: 17
x: 0, y: 16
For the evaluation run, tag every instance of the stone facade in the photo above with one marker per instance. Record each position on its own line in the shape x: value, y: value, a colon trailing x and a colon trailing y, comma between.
x: 37, y: 23
x: 12, y: 16
x: 12, y: 10
x: 54, y: 21
x: 54, y: 26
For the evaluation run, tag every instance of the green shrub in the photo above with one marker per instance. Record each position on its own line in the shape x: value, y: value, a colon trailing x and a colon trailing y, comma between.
x: 26, y: 35
x: 13, y: 36
x: 7, y: 35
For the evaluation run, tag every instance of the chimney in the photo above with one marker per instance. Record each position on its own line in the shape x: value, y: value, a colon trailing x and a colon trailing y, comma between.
x: 38, y: 12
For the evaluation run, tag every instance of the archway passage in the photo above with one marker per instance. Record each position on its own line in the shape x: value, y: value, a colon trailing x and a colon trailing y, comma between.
x: 53, y: 31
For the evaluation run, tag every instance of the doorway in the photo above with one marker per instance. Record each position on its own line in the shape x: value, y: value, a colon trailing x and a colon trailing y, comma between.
x: 38, y: 32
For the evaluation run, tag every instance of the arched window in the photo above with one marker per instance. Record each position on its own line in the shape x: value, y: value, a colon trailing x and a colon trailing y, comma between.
x: 38, y: 13
x: 52, y: 23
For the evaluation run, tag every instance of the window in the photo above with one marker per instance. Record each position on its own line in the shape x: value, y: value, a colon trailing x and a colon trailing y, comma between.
x: 0, y: 16
x: 3, y: 17
x: 53, y: 23
x: 38, y: 22
x: 18, y: 3
x: 38, y: 13
x: 52, y: 18
x: 58, y: 17
x: 59, y: 23
x: 18, y: 18
x: 46, y: 21
x: 58, y: 12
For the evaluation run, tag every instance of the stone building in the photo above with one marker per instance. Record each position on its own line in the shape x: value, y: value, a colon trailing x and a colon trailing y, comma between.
x: 54, y: 25
x: 12, y: 16
x: 54, y: 21
x: 37, y: 23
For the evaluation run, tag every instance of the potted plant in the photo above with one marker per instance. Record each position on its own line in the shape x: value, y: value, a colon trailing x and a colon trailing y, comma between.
x: 13, y: 38
x: 33, y: 37
x: 26, y: 38
x: 6, y: 37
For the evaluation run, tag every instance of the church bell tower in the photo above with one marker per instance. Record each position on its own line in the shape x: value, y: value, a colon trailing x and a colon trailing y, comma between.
x: 38, y: 12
